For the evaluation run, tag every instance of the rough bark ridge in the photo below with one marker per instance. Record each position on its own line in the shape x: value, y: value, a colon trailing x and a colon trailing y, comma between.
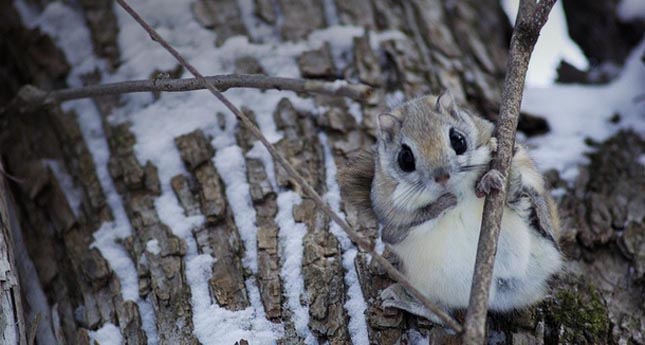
x: 218, y: 235
x: 322, y: 267
x: 12, y: 317
x: 461, y: 46
x: 161, y: 272
x: 77, y: 281
x: 266, y: 208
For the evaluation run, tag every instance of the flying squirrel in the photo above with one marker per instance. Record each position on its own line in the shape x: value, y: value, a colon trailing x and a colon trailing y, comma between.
x: 424, y: 182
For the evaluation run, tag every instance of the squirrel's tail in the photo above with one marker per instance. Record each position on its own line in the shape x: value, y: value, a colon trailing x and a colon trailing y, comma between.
x: 356, y: 181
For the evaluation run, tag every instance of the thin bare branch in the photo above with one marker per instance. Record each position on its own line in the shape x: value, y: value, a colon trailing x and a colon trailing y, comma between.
x: 530, y: 19
x: 355, y: 237
x: 358, y: 92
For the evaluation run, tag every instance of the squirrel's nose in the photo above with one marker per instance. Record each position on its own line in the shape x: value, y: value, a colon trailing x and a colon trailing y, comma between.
x: 442, y: 178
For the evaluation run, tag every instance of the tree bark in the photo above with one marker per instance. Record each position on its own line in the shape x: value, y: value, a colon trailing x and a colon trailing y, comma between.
x: 13, y: 330
x: 461, y: 46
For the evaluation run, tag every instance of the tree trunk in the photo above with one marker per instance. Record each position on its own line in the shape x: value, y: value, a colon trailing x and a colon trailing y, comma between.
x: 72, y: 285
x: 11, y: 305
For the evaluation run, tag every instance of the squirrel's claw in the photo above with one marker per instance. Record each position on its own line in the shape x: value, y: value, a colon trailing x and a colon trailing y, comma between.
x: 492, y: 180
x: 492, y: 144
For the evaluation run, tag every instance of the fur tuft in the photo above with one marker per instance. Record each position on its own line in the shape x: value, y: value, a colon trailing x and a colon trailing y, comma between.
x: 356, y: 181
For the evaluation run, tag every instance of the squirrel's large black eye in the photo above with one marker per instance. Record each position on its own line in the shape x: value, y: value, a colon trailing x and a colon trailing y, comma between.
x: 406, y: 159
x: 457, y: 141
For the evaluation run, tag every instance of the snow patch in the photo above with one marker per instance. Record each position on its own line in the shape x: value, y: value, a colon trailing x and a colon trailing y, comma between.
x: 417, y: 338
x: 216, y: 325
x: 355, y: 304
x: 558, y: 193
x: 577, y: 112
x: 67, y: 28
x: 496, y: 338
x: 394, y: 99
x: 258, y: 151
x: 256, y: 27
x: 232, y: 169
x: 641, y: 159
x: 553, y: 46
x: 152, y: 247
x: 291, y: 236
x: 108, y: 334
x: 630, y: 10
x: 331, y: 13
x: 355, y: 110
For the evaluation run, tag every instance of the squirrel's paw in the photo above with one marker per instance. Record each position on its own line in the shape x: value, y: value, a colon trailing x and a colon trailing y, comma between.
x: 445, y: 202
x: 395, y: 296
x: 492, y: 180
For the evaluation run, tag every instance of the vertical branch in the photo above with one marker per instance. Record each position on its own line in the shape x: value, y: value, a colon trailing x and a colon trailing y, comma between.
x: 531, y: 18
x: 300, y: 181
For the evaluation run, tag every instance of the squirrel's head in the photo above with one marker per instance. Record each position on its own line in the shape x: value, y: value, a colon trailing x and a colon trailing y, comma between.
x: 430, y: 147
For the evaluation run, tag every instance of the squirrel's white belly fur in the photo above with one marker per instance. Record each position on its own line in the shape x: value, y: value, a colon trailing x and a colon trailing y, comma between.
x: 439, y: 258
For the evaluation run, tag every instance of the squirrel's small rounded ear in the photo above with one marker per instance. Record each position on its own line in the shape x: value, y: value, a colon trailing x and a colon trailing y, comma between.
x: 446, y: 103
x: 388, y: 125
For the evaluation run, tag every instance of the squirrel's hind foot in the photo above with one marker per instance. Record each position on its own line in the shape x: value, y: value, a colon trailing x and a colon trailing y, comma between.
x: 396, y: 296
